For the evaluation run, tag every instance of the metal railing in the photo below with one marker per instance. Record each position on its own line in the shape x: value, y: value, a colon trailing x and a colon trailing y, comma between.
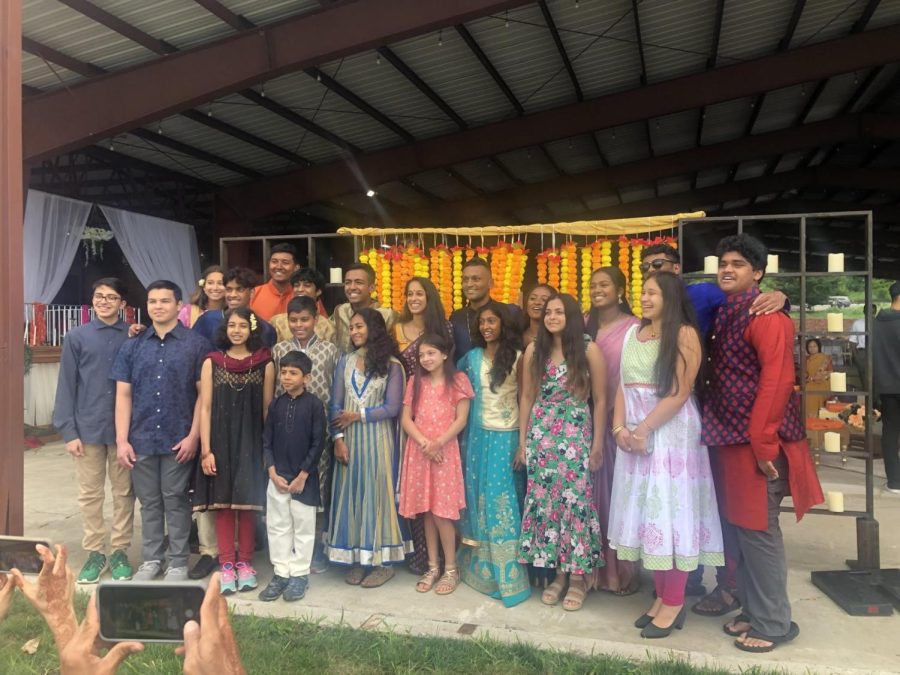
x: 47, y: 325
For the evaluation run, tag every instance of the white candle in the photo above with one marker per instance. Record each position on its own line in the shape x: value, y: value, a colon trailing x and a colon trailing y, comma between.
x: 835, y: 501
x: 835, y: 262
x: 839, y: 382
x: 834, y: 322
x: 832, y: 441
x: 772, y: 264
x: 336, y: 275
x: 710, y: 264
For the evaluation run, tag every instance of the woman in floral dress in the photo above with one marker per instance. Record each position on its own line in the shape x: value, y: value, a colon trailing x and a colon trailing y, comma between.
x: 560, y: 527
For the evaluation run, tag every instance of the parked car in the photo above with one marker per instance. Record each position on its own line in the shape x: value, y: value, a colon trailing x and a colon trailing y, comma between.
x: 839, y: 301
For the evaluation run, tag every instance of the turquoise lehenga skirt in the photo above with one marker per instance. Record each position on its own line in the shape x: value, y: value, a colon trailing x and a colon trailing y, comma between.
x: 491, y: 524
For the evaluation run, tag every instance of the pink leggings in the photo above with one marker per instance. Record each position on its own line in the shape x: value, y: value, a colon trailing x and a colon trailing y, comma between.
x: 670, y: 586
x: 225, y: 535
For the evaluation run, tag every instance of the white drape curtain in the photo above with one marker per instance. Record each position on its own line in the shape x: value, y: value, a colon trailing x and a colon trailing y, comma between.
x: 156, y: 248
x: 50, y: 239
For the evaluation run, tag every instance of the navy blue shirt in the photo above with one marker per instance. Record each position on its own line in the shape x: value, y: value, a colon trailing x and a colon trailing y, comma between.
x: 464, y: 322
x: 208, y: 325
x: 706, y: 298
x: 293, y: 440
x: 163, y: 374
x: 85, y: 397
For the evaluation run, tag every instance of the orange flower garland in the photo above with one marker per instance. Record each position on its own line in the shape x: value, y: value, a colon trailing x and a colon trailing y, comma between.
x: 498, y: 270
x: 457, y: 276
x: 587, y: 259
x: 541, y: 260
x: 623, y: 256
x: 553, y: 267
x: 515, y: 271
x: 637, y: 279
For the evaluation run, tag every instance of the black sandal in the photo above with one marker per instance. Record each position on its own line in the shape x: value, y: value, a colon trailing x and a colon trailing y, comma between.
x: 740, y: 618
x: 793, y: 632
x: 720, y: 607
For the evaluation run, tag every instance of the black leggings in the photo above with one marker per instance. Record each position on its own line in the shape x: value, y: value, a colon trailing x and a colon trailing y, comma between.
x: 890, y: 437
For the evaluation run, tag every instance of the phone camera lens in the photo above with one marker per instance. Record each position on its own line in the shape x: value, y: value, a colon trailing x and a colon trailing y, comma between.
x: 189, y: 613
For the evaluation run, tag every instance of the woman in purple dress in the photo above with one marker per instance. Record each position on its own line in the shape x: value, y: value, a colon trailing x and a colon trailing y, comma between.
x: 607, y: 324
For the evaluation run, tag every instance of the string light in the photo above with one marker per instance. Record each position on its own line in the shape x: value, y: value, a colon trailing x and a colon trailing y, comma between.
x: 159, y: 129
x: 507, y: 18
x: 377, y: 59
x: 209, y: 113
x: 441, y: 38
x: 318, y: 76
x: 262, y: 90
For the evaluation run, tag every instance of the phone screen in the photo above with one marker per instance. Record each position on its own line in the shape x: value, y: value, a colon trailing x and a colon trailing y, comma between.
x: 148, y: 613
x: 20, y: 553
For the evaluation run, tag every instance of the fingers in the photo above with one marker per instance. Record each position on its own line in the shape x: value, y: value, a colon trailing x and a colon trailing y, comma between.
x: 115, y: 656
x: 59, y: 565
x: 191, y: 638
x: 19, y: 579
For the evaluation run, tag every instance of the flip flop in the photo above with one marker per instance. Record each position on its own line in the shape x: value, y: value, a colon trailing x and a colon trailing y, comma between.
x: 793, y: 632
x: 740, y: 618
x: 354, y: 576
x: 377, y: 577
x: 721, y: 609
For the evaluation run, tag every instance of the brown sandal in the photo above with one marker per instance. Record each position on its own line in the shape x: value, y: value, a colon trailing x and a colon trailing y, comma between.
x: 426, y: 581
x: 355, y: 576
x: 575, y: 596
x: 448, y: 581
x: 377, y: 577
x: 551, y: 594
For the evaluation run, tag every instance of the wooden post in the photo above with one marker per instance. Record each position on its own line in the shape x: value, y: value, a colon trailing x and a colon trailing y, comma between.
x: 12, y: 445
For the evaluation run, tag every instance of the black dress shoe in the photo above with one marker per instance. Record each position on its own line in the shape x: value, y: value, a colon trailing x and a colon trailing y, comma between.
x: 653, y: 631
x: 643, y: 620
x: 204, y: 567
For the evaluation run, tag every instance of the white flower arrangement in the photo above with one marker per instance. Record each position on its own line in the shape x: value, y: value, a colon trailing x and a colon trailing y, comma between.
x: 93, y: 239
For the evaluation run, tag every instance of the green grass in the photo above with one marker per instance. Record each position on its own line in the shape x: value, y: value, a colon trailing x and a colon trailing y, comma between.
x: 274, y: 646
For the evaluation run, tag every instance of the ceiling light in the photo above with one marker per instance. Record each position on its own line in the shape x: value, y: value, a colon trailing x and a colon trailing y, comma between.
x: 370, y: 193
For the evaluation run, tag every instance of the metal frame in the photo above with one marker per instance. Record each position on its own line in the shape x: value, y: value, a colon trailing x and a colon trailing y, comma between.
x: 867, y: 541
x: 266, y: 241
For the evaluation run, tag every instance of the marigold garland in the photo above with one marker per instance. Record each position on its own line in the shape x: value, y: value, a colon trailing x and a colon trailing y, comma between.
x: 637, y: 279
x: 587, y: 261
x: 457, y: 276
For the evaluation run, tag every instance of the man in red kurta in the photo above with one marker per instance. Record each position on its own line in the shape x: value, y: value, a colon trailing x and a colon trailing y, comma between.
x: 753, y: 425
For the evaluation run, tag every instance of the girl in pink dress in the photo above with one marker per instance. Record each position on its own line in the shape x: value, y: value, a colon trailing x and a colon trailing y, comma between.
x: 435, y: 410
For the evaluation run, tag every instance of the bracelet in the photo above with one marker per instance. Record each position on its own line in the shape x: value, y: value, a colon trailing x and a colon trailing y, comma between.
x: 616, y: 429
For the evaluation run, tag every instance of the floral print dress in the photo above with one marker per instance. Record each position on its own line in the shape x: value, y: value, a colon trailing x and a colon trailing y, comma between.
x: 560, y: 527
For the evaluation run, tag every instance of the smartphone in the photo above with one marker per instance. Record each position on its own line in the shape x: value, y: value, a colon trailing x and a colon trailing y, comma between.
x: 20, y: 552
x: 151, y: 612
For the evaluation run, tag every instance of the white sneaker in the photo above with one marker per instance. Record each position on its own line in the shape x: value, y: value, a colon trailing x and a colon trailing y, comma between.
x: 892, y: 490
x: 177, y: 574
x: 148, y: 571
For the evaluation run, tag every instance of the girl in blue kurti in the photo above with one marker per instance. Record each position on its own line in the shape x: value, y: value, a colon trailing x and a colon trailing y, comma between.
x: 490, y: 527
x: 366, y: 400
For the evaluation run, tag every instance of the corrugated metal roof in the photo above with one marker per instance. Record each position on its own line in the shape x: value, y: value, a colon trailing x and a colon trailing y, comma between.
x: 626, y: 143
x: 575, y: 155
x: 752, y: 28
x: 171, y: 159
x: 485, y: 174
x: 672, y: 133
x: 529, y: 165
x: 825, y: 20
x: 677, y: 37
x: 727, y: 121
x: 673, y: 185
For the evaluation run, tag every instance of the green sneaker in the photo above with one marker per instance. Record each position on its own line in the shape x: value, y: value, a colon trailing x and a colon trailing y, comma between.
x: 93, y: 568
x: 121, y: 568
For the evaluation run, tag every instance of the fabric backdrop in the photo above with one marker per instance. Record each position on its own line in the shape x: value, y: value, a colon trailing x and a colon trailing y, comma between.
x: 50, y: 239
x: 156, y: 248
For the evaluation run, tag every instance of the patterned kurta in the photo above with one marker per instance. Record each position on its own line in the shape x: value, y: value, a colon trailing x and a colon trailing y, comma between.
x: 560, y: 527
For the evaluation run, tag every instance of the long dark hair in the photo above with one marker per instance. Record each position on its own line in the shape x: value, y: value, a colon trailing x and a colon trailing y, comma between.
x: 380, y: 346
x: 505, y: 358
x: 677, y: 311
x: 620, y: 283
x: 573, y: 347
x: 445, y: 346
x: 434, y: 317
x: 199, y: 297
x: 254, y: 342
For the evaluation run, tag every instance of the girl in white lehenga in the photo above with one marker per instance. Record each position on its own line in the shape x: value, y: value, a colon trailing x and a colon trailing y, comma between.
x: 663, y: 510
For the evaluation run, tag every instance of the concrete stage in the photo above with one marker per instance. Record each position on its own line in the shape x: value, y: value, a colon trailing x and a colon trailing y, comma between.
x: 830, y: 640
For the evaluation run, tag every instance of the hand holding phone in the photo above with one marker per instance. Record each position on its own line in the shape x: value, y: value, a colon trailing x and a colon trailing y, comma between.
x: 51, y: 594
x: 21, y: 553
x: 7, y: 586
x: 209, y: 647
x: 81, y: 656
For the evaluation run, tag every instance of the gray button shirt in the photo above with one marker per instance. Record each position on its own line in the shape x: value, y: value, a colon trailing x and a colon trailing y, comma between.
x: 85, y: 396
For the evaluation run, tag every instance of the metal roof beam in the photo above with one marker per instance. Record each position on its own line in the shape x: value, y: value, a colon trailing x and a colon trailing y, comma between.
x: 476, y: 49
x: 190, y: 150
x: 419, y: 84
x: 240, y: 134
x: 117, y: 158
x: 288, y: 114
x: 710, y: 64
x: 64, y: 120
x: 333, y: 85
x: 60, y: 59
x: 321, y: 182
x: 121, y: 27
x: 561, y: 48
x: 610, y: 179
x: 216, y: 8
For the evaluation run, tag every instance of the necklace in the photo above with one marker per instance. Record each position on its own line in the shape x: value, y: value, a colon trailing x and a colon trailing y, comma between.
x: 230, y: 376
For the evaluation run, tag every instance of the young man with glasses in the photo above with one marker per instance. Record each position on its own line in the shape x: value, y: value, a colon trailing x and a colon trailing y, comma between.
x: 84, y: 413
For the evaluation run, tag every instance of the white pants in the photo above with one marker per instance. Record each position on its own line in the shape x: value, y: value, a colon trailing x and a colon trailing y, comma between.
x: 291, y: 527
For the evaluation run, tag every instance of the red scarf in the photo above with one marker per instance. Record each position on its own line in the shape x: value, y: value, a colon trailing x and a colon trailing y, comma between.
x: 233, y: 365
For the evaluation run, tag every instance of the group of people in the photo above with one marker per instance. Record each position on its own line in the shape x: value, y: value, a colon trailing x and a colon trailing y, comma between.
x: 493, y: 448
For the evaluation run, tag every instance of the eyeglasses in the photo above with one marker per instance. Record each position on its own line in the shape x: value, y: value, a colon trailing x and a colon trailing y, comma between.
x: 657, y: 264
x: 99, y: 297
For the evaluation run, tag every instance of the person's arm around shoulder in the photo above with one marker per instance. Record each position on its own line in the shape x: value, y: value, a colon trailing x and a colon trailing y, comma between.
x: 597, y: 369
x: 527, y: 397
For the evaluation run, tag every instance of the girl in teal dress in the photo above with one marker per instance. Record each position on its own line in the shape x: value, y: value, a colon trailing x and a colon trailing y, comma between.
x: 494, y: 491
x: 563, y: 401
